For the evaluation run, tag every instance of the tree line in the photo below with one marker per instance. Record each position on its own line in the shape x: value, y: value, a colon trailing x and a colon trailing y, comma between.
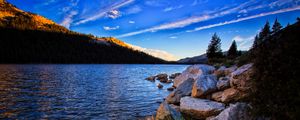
x: 276, y: 69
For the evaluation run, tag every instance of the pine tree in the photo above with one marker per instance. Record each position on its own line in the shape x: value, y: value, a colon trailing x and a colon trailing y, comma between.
x: 232, y: 52
x: 214, y: 48
x: 256, y: 42
x: 276, y: 26
x: 265, y: 32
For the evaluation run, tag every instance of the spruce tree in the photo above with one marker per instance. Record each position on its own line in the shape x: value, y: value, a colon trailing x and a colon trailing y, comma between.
x: 214, y: 48
x: 276, y: 26
x: 256, y: 42
x: 265, y: 32
x: 232, y: 52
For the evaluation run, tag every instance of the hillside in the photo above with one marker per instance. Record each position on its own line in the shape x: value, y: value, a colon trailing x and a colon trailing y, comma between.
x: 31, y: 38
x: 194, y: 60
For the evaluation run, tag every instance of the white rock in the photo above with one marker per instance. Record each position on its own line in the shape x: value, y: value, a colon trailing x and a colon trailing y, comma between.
x: 204, y: 85
x: 194, y: 72
x: 200, y: 108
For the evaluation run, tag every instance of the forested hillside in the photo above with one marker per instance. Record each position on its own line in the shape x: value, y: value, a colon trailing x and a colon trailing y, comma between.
x: 30, y: 38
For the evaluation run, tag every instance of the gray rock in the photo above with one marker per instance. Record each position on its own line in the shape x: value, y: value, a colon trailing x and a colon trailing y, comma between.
x: 241, y: 78
x: 160, y: 85
x: 170, y: 89
x: 229, y: 70
x: 237, y: 111
x: 223, y: 83
x: 173, y: 76
x: 162, y: 76
x: 184, y: 89
x: 151, y: 78
x: 193, y: 72
x: 204, y: 85
x: 200, y: 108
x: 166, y: 112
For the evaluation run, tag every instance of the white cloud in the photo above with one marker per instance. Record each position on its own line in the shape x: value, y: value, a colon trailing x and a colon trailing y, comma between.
x: 172, y: 8
x: 173, y: 37
x: 68, y: 19
x: 187, y: 21
x: 131, y: 22
x: 103, y: 12
x: 245, y: 18
x: 111, y: 28
x: 156, y: 53
x: 113, y: 14
x: 243, y: 43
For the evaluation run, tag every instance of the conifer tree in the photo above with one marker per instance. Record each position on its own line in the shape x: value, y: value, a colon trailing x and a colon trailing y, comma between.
x: 256, y: 42
x: 276, y: 26
x: 214, y: 48
x: 232, y: 52
x: 265, y: 32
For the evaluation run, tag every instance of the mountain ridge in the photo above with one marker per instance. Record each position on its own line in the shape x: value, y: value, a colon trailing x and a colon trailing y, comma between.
x: 33, y: 28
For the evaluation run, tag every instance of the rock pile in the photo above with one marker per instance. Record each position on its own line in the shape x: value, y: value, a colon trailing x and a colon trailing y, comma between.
x: 203, y: 92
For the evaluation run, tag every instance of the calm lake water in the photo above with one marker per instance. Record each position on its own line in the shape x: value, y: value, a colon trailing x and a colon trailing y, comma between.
x: 81, y: 91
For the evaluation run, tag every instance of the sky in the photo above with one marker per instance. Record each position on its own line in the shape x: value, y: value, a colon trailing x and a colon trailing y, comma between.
x: 170, y: 29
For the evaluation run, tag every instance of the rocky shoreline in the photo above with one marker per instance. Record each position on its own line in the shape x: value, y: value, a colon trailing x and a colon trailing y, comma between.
x: 204, y: 92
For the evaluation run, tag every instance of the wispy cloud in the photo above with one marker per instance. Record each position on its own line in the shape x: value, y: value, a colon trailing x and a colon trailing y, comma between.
x: 68, y: 19
x: 71, y: 12
x: 173, y: 37
x: 172, y: 8
x: 113, y: 14
x: 244, y: 43
x: 187, y: 21
x: 131, y: 22
x: 111, y: 28
x: 104, y: 11
x: 245, y: 18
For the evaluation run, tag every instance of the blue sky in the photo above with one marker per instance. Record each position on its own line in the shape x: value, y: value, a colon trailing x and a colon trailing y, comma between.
x: 171, y: 29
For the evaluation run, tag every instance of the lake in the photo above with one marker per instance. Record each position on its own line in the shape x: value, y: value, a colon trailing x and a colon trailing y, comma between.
x: 81, y: 91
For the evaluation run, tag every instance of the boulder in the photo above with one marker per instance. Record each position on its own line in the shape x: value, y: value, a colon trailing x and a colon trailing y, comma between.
x: 237, y: 111
x: 176, y: 107
x: 193, y: 72
x: 151, y: 78
x: 223, y: 83
x: 204, y: 85
x: 160, y: 85
x: 220, y: 72
x: 166, y: 112
x: 169, y: 81
x: 200, y: 108
x: 173, y: 76
x: 162, y: 76
x: 229, y: 70
x: 184, y: 89
x: 164, y: 80
x: 241, y: 78
x: 170, y: 89
x: 229, y: 95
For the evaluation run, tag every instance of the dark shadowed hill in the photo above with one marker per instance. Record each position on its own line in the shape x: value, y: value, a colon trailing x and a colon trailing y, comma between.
x: 30, y: 38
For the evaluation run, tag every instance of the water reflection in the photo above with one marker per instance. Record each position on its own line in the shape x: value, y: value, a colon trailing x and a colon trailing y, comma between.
x: 80, y: 91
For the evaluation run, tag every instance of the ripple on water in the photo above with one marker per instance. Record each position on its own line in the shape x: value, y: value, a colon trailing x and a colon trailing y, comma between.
x: 81, y: 91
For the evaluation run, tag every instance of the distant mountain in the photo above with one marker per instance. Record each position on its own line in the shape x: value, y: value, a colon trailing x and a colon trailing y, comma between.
x: 194, y: 60
x: 30, y: 38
